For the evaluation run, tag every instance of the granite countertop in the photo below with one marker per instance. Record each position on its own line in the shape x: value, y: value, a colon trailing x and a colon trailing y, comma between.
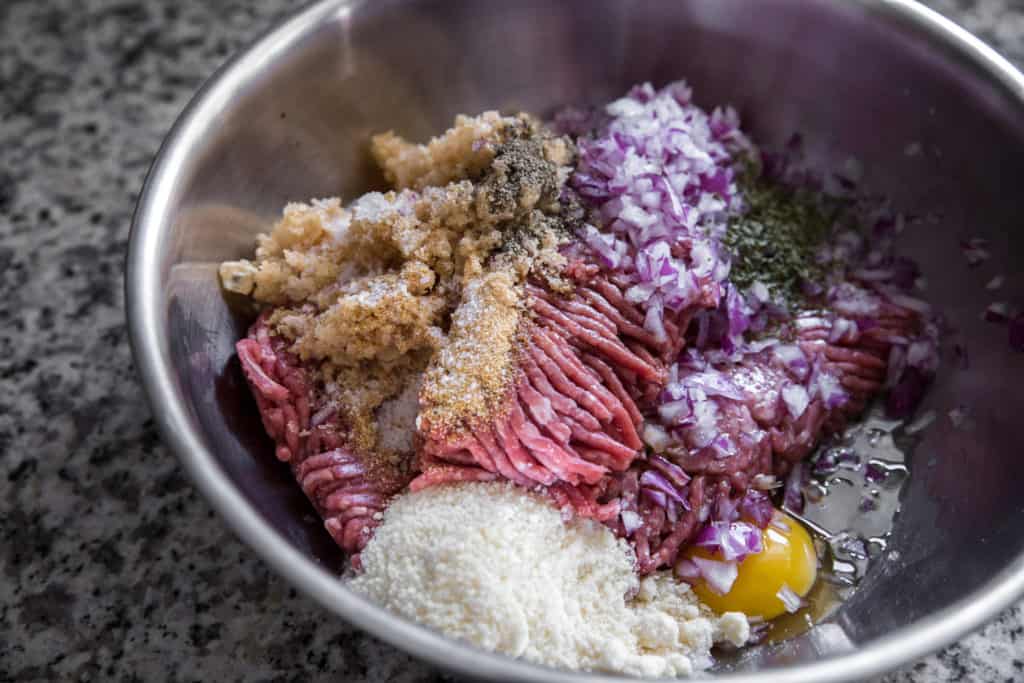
x: 113, y: 567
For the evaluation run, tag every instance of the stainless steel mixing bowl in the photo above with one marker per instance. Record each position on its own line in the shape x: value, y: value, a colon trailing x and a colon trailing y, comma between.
x: 934, y: 116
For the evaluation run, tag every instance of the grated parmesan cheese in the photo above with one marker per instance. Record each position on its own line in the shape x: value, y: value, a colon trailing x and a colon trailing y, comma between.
x: 496, y: 566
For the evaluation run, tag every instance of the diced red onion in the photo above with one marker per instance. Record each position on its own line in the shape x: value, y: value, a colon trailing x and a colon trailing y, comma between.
x: 655, y: 436
x: 607, y: 247
x: 757, y: 507
x: 843, y: 330
x: 730, y: 540
x: 715, y: 383
x: 847, y: 456
x: 656, y: 172
x: 674, y: 412
x: 789, y: 599
x: 830, y: 391
x: 793, y: 497
x: 796, y: 399
x: 723, y: 446
x: 631, y: 521
x: 654, y: 319
x: 726, y: 509
x: 656, y: 481
x: 655, y: 498
x: 793, y: 358
x: 674, y: 473
x: 825, y: 464
x: 686, y: 570
x: 760, y: 292
x: 719, y: 576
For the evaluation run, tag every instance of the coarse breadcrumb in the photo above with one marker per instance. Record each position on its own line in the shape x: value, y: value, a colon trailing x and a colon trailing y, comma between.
x: 291, y: 262
x: 380, y: 318
x: 496, y: 566
x: 463, y: 151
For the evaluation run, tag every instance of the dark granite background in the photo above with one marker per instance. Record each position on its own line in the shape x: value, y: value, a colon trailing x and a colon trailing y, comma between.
x: 112, y: 568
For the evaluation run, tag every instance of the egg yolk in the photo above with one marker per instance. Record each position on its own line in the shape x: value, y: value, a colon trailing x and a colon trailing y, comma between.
x: 788, y: 559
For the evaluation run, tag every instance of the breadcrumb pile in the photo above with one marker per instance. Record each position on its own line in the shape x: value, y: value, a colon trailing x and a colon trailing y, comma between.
x: 421, y: 285
x: 497, y: 566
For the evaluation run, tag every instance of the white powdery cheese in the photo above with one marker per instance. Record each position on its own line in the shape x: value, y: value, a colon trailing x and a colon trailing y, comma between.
x: 496, y: 566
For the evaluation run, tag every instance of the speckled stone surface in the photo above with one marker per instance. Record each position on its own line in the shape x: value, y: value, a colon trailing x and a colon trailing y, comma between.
x: 112, y: 568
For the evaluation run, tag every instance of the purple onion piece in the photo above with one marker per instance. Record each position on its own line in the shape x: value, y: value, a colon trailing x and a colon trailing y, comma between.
x: 726, y: 509
x: 719, y: 576
x: 631, y: 521
x: 657, y: 482
x: 756, y: 507
x: 730, y: 540
x: 654, y: 497
x: 673, y: 472
x: 687, y: 571
x: 793, y: 497
x: 790, y: 599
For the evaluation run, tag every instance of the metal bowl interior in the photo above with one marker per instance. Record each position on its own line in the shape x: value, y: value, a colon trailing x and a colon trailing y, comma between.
x: 935, y: 118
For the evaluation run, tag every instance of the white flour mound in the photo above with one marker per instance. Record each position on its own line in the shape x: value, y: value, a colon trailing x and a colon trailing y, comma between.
x: 494, y: 565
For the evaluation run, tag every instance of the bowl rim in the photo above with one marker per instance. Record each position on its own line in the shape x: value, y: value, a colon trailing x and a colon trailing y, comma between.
x: 147, y: 334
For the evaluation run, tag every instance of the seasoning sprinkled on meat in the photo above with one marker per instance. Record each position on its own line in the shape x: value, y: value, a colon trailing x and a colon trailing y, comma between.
x: 470, y: 373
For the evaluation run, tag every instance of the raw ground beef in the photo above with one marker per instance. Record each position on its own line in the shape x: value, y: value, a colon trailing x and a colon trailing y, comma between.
x: 308, y: 436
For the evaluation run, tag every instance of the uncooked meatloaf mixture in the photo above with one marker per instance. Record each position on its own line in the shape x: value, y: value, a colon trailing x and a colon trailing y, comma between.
x: 629, y: 316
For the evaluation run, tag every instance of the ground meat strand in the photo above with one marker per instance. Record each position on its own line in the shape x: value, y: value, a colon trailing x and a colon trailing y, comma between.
x: 308, y: 436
